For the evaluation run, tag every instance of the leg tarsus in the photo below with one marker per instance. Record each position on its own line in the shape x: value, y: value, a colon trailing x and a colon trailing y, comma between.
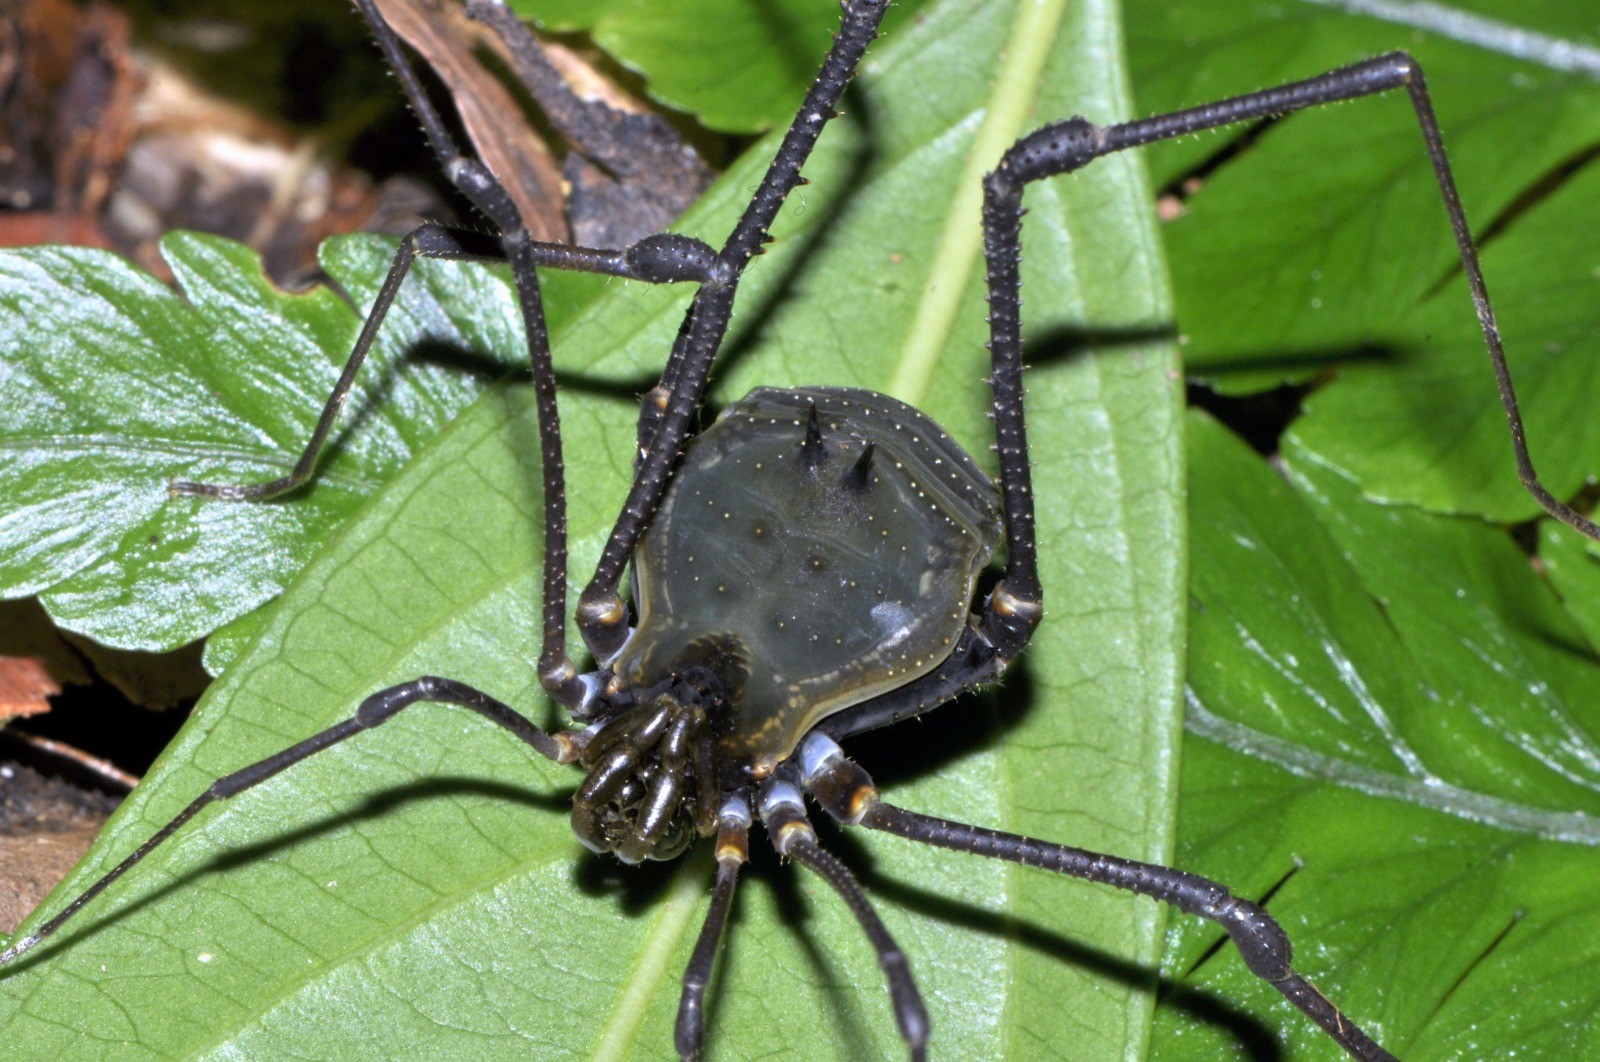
x: 426, y: 241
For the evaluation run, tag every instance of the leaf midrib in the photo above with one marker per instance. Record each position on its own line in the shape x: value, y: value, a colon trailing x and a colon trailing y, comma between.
x: 618, y: 1037
x: 1478, y: 31
x: 1010, y: 102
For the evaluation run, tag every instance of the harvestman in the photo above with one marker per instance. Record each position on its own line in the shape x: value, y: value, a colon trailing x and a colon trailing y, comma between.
x: 862, y: 525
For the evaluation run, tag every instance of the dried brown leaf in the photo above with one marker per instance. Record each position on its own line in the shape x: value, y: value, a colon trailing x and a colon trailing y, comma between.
x: 25, y: 687
x: 500, y: 135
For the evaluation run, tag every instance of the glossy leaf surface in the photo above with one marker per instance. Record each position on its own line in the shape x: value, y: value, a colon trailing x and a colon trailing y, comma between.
x: 1393, y: 735
x: 117, y: 386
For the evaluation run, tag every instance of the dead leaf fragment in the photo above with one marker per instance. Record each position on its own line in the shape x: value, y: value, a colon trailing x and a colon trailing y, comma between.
x: 25, y: 687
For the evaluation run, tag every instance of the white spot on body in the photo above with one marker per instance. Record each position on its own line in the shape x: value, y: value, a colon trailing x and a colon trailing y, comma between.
x: 894, y: 620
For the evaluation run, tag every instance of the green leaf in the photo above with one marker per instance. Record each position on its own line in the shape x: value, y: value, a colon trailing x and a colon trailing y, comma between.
x: 737, y: 65
x: 419, y: 885
x: 1574, y: 570
x: 118, y: 386
x: 1393, y: 733
x: 1323, y: 241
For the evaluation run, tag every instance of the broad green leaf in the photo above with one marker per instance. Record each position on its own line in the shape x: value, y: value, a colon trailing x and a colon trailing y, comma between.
x: 1394, y: 735
x: 736, y: 65
x: 419, y: 886
x: 1323, y: 241
x: 116, y: 386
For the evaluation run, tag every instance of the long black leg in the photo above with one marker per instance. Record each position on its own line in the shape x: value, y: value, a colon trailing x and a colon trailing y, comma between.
x: 602, y: 619
x: 659, y: 259
x: 425, y: 241
x: 733, y: 850
x: 848, y: 793
x: 1067, y: 146
x: 376, y: 710
x: 782, y: 810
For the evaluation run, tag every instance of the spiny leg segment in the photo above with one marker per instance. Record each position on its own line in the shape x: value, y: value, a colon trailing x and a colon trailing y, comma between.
x: 1067, y: 146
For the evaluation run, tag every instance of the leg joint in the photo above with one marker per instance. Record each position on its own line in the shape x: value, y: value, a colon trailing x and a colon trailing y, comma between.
x: 667, y: 258
x: 1058, y: 148
x: 783, y: 813
x: 839, y: 784
x: 1261, y: 941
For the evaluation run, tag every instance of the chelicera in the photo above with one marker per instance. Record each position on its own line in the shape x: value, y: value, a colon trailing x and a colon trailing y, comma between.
x: 804, y: 570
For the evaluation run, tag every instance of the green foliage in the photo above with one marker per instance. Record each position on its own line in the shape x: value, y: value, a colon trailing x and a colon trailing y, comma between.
x: 116, y: 386
x: 1393, y: 732
x: 1393, y: 722
x: 1574, y: 571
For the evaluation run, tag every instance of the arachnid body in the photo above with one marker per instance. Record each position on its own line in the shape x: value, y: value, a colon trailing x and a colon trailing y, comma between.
x: 515, y: 894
